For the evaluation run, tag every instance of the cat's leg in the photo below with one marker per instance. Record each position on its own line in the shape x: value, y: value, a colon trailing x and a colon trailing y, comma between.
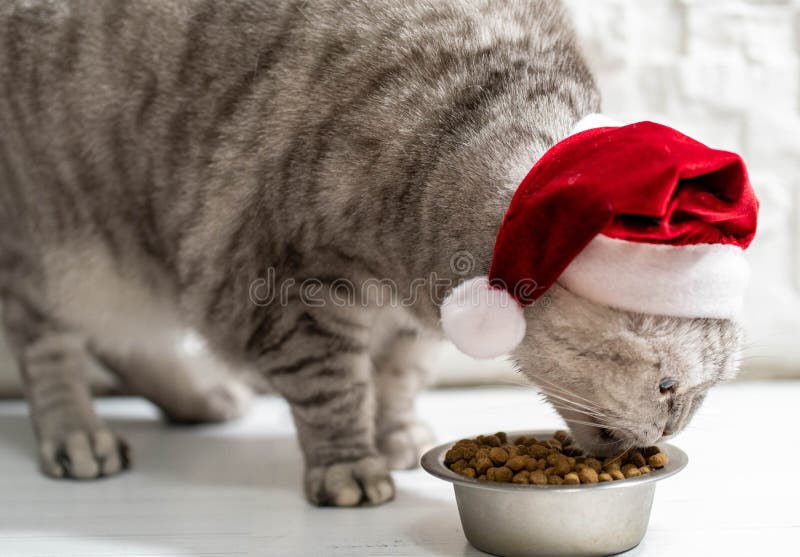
x: 179, y: 373
x: 73, y: 442
x: 400, y: 373
x: 320, y: 363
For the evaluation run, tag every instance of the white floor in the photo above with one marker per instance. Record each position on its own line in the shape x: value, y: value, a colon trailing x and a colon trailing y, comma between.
x: 234, y: 489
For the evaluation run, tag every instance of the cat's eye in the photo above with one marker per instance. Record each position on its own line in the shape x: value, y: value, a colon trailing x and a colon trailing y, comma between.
x: 667, y: 385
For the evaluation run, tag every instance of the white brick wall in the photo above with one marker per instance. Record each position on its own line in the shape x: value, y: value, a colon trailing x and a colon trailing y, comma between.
x: 728, y: 73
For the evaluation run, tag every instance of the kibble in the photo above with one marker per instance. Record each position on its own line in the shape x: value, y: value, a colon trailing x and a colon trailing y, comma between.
x: 468, y: 472
x: 588, y: 476
x: 498, y: 455
x: 658, y: 460
x: 537, y: 477
x: 521, y: 477
x: 517, y: 463
x: 637, y: 458
x: 501, y: 474
x: 554, y: 461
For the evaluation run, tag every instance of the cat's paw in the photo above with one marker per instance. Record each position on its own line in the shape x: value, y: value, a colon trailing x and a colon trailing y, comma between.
x: 347, y: 484
x: 404, y: 445
x: 84, y: 455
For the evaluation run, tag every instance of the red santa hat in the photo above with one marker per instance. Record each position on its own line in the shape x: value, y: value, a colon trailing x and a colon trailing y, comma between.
x: 639, y: 217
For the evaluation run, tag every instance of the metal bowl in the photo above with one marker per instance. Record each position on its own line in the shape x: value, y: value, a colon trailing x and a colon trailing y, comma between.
x: 516, y: 520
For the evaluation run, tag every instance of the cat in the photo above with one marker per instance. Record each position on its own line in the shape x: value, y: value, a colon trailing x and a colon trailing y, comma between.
x: 168, y: 165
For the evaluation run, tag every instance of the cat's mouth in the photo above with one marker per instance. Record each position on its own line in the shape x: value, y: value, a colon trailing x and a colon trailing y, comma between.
x: 599, y: 440
x: 607, y: 434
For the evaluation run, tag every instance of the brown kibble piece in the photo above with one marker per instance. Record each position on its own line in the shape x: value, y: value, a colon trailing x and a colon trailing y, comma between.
x: 637, y: 459
x: 611, y: 466
x: 483, y: 464
x: 501, y: 435
x: 594, y: 464
x: 604, y: 477
x: 658, y: 460
x: 588, y: 476
x: 469, y: 450
x: 555, y: 480
x: 458, y: 466
x: 631, y: 471
x: 521, y: 477
x: 616, y: 475
x: 572, y: 479
x: 498, y: 455
x: 517, y: 463
x: 645, y: 469
x: 491, y: 440
x: 468, y: 472
x: 572, y: 451
x: 537, y: 477
x: 501, y: 474
x: 561, y: 435
x: 453, y: 455
x: 537, y: 451
x: 562, y: 468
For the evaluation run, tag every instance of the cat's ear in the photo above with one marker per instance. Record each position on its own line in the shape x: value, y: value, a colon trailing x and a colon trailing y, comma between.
x: 481, y: 320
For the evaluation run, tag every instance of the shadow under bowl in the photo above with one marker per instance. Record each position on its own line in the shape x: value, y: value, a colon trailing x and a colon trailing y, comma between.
x: 520, y: 520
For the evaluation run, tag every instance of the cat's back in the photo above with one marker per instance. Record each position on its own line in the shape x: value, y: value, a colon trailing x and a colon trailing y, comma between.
x: 102, y: 103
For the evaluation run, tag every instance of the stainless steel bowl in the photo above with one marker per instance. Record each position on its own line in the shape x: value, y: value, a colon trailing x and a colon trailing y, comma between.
x: 515, y: 520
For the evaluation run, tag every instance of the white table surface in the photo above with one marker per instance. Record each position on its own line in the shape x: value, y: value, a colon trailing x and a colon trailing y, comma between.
x: 235, y: 489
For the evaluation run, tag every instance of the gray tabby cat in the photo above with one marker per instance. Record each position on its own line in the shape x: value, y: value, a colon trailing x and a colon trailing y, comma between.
x: 159, y: 158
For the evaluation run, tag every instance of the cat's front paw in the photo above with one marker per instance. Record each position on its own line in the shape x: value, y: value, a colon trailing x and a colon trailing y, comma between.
x: 347, y: 484
x: 404, y: 445
x: 83, y: 455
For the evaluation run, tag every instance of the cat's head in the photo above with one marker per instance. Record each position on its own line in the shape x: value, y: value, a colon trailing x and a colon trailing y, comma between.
x: 621, y: 379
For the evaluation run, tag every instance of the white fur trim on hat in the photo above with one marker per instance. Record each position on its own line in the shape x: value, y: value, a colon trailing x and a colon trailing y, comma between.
x: 594, y: 120
x: 701, y: 280
x: 482, y: 321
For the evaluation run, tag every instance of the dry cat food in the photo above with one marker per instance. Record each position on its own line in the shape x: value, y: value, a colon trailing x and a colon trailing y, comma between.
x: 554, y: 461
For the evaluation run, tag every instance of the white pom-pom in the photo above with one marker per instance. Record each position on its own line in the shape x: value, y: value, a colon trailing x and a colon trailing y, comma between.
x: 482, y: 321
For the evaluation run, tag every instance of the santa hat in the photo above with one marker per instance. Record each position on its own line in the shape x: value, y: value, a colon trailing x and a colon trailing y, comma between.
x: 639, y: 217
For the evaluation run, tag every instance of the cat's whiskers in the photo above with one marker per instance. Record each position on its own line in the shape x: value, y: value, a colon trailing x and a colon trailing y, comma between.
x: 561, y: 388
x: 604, y: 421
x: 555, y: 392
x: 570, y: 401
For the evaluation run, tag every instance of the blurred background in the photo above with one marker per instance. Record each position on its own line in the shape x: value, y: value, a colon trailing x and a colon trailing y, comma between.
x: 728, y: 73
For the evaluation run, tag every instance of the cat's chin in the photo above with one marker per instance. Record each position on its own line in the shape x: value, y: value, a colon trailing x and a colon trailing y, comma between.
x: 599, y: 441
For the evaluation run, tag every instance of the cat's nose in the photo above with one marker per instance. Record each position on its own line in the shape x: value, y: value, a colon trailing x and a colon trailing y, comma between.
x: 667, y: 432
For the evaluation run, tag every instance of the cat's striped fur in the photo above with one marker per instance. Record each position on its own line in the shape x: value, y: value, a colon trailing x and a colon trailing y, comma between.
x: 159, y: 156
